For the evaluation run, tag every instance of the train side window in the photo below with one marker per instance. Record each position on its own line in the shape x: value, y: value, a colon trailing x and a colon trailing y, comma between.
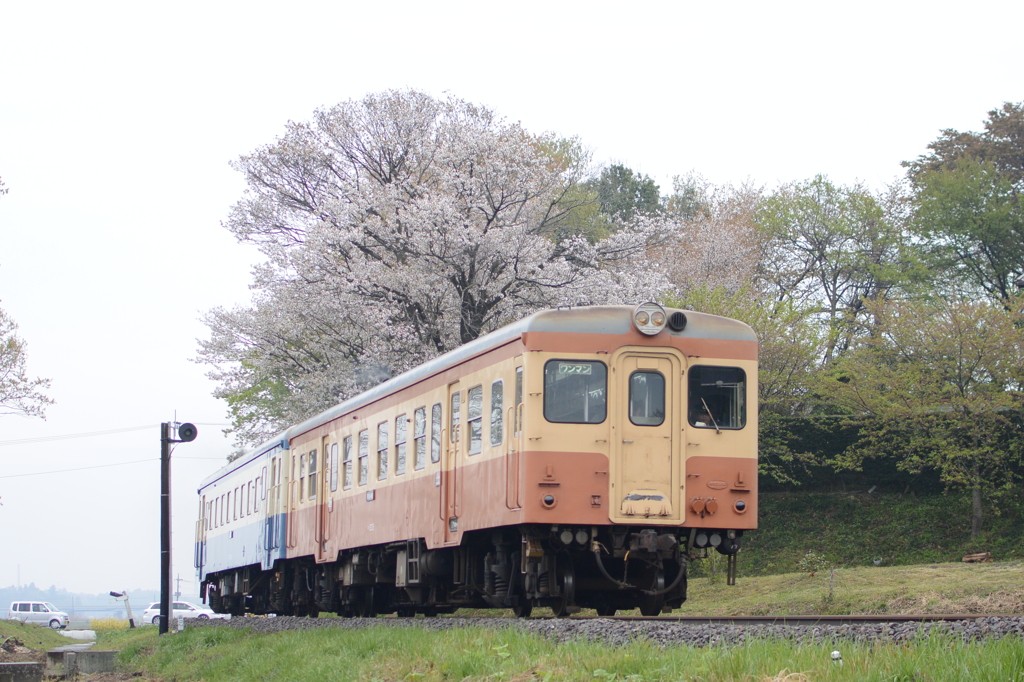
x: 382, y: 451
x: 475, y: 419
x: 229, y: 505
x: 497, y: 411
x: 517, y: 428
x: 302, y: 477
x: 717, y: 397
x: 575, y: 391
x: 346, y: 458
x: 401, y: 425
x: 647, y: 398
x: 236, y: 505
x: 334, y: 467
x: 419, y: 434
x: 312, y: 474
x: 364, y: 456
x: 456, y: 416
x: 435, y: 433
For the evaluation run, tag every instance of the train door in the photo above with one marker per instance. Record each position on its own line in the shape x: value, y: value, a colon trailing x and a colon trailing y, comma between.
x: 450, y: 464
x: 646, y: 457
x: 292, y: 500
x: 200, y: 551
x: 513, y: 443
x: 324, y: 504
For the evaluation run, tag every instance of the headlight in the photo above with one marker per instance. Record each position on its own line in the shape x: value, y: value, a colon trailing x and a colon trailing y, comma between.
x: 649, y: 318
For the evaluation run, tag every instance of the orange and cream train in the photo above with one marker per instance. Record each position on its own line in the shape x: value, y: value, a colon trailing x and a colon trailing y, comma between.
x: 575, y: 459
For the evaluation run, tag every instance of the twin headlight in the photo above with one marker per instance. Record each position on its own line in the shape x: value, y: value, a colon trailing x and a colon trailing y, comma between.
x: 650, y: 318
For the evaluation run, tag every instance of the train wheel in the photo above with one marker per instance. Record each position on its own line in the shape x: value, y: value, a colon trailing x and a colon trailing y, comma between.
x: 566, y: 580
x: 606, y: 610
x: 649, y: 605
x: 523, y: 609
x: 430, y: 612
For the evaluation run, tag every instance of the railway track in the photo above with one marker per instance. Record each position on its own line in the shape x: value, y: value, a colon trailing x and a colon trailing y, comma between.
x: 815, y: 620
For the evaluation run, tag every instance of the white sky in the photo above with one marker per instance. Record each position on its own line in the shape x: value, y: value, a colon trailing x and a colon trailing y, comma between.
x: 118, y: 120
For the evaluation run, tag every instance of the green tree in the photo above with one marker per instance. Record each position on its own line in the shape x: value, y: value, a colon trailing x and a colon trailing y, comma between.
x: 833, y: 249
x: 937, y: 381
x: 971, y: 220
x: 623, y: 193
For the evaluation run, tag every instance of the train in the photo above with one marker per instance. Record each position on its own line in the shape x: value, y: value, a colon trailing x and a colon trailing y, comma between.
x: 578, y: 458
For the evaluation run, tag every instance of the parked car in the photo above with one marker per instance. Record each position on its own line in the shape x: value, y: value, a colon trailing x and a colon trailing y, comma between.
x: 179, y: 609
x: 39, y: 612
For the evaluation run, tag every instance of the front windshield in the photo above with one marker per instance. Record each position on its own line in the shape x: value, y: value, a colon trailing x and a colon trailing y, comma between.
x: 50, y: 607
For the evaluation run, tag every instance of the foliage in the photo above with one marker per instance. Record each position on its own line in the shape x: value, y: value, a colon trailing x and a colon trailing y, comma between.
x: 396, y: 228
x: 832, y: 249
x: 19, y: 394
x: 971, y: 219
x: 623, y: 193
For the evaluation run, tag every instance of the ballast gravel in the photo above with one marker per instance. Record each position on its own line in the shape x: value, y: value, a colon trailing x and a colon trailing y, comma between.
x: 661, y: 632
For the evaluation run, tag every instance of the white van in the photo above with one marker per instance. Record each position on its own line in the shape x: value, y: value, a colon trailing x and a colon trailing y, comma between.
x: 39, y: 612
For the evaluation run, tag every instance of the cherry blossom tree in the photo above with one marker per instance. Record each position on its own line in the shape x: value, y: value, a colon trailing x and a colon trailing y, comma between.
x: 19, y: 394
x: 396, y: 228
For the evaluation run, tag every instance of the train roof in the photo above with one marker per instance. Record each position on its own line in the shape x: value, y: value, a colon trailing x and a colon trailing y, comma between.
x: 610, y: 319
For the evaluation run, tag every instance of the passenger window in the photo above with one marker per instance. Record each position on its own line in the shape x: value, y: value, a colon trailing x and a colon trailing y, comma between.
x: 575, y: 392
x: 23, y: 607
x: 364, y: 456
x: 435, y: 433
x: 401, y: 424
x: 346, y: 458
x: 647, y: 398
x: 419, y: 421
x: 312, y: 475
x: 382, y: 451
x: 37, y: 608
x: 334, y: 467
x: 717, y: 397
x: 475, y: 420
x: 497, y: 415
x: 302, y: 477
x: 229, y: 508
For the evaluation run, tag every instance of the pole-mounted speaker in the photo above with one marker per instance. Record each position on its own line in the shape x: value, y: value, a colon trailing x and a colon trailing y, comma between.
x: 187, y: 432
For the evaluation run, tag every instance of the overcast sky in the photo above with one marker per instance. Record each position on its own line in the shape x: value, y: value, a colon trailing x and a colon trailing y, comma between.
x: 118, y: 120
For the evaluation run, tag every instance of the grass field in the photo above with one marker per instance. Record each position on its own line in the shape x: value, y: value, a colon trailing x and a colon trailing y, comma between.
x: 386, y: 654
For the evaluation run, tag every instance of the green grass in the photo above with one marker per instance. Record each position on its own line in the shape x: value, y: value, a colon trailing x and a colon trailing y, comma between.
x: 387, y: 654
x: 853, y: 529
x: 34, y: 637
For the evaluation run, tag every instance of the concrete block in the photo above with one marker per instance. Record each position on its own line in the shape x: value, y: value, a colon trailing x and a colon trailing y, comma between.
x: 88, y: 662
x: 21, y: 672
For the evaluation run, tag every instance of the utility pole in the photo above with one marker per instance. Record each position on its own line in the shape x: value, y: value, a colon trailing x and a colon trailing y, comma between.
x: 186, y: 433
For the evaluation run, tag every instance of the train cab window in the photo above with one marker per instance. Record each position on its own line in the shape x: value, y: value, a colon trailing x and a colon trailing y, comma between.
x: 497, y: 415
x: 401, y: 426
x: 419, y: 434
x: 575, y: 391
x: 334, y: 467
x: 364, y: 456
x: 435, y: 433
x: 717, y: 397
x: 647, y: 398
x: 475, y: 419
x: 312, y: 474
x: 346, y: 462
x: 455, y: 417
x: 382, y: 451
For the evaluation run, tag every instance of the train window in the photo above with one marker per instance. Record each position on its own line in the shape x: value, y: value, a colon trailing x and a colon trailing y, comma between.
x: 575, y: 391
x: 475, y: 419
x: 401, y: 425
x: 236, y: 505
x: 717, y: 397
x: 419, y: 434
x: 519, y: 402
x: 647, y: 398
x: 382, y: 451
x: 334, y: 467
x: 453, y: 432
x: 497, y: 405
x: 435, y: 433
x: 312, y: 474
x: 229, y: 506
x: 346, y: 458
x: 364, y: 456
x: 302, y: 477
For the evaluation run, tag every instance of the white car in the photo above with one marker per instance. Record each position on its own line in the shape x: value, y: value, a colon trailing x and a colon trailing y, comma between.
x: 180, y: 609
x: 41, y: 612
